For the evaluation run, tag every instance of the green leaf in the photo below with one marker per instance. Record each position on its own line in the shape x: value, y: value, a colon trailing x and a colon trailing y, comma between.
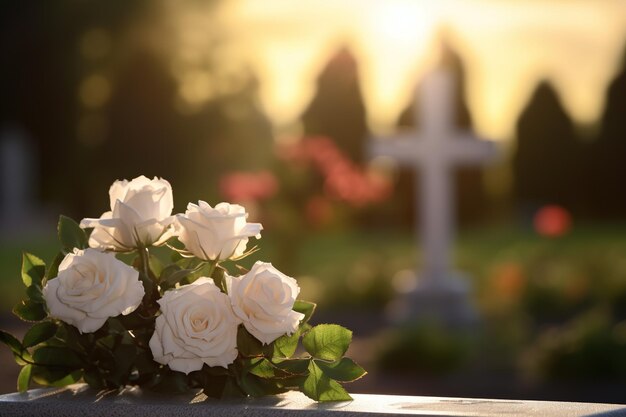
x: 93, y: 378
x: 23, y: 359
x: 57, y: 357
x: 305, y: 307
x: 54, y: 376
x: 20, y: 354
x: 149, y: 286
x: 115, y: 326
x: 107, y: 342
x: 285, y: 346
x: 213, y: 387
x: 53, y: 270
x: 23, y: 379
x: 204, y: 269
x: 345, y: 370
x: 320, y: 387
x: 294, y: 366
x: 9, y: 340
x: 71, y: 378
x: 135, y: 320
x: 34, y: 294
x: 172, y: 382
x: 247, y: 344
x: 29, y: 310
x: 259, y: 387
x: 218, y: 275
x: 215, y: 370
x: 40, y: 332
x: 172, y: 274
x: 327, y: 341
x: 71, y: 235
x: 231, y: 389
x: 252, y: 386
x: 260, y: 367
x: 124, y: 358
x: 156, y: 266
x: 102, y: 351
x: 71, y: 337
x: 144, y: 362
x: 33, y: 269
x: 293, y: 382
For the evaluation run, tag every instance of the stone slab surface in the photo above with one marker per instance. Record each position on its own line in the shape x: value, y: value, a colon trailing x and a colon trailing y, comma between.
x: 79, y: 400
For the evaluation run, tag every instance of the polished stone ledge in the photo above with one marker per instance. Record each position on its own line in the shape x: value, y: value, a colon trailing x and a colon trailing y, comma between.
x: 79, y: 400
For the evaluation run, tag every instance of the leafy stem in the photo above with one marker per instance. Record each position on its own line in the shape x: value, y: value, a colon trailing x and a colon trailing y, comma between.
x: 212, y: 266
x: 218, y: 278
x: 144, y: 255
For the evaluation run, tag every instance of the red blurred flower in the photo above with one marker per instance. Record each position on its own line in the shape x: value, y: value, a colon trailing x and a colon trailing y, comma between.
x: 552, y: 221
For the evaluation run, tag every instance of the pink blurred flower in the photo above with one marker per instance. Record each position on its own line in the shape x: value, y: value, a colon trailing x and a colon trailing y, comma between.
x: 319, y: 211
x: 343, y: 179
x: 248, y: 186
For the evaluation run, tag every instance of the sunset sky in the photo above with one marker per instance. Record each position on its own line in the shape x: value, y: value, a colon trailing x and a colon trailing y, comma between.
x: 506, y: 46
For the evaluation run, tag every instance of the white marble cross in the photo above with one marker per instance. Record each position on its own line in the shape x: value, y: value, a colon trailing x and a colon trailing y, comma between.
x: 435, y: 152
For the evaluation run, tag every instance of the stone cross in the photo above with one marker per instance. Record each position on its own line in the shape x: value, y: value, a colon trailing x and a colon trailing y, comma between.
x: 435, y: 152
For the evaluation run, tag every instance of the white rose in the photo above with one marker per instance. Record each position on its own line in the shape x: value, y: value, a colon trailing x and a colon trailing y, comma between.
x: 141, y: 213
x: 196, y: 326
x: 263, y: 299
x: 216, y: 233
x: 92, y: 286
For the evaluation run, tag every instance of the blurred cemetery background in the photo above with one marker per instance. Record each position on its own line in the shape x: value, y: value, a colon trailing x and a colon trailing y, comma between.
x: 272, y: 104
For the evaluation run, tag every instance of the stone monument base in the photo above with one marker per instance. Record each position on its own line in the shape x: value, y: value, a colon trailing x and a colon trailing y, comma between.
x: 443, y: 300
x: 78, y: 400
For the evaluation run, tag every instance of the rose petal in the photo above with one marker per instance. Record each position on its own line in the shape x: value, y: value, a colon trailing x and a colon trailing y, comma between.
x: 182, y: 347
x: 92, y: 286
x: 263, y: 299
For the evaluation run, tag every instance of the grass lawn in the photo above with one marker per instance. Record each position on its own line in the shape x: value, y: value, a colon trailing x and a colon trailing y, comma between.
x: 555, y: 306
x: 358, y: 268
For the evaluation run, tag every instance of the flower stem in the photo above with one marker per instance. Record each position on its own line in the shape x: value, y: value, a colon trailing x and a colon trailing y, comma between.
x: 144, y: 255
x: 212, y: 266
x: 218, y: 279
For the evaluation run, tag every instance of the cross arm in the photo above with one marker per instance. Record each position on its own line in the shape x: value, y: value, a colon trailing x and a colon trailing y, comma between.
x: 403, y: 148
x: 466, y: 149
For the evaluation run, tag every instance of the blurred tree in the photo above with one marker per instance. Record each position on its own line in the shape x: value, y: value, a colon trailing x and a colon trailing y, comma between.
x: 547, y: 162
x: 99, y: 100
x: 337, y: 111
x: 607, y: 164
x: 40, y: 82
x: 36, y: 74
x: 141, y: 137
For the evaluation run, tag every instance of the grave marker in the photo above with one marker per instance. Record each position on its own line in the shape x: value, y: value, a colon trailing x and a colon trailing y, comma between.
x: 435, y: 152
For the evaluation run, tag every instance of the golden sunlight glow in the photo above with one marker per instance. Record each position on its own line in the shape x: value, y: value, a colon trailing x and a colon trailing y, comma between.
x: 506, y: 46
x: 393, y: 45
x: 94, y: 91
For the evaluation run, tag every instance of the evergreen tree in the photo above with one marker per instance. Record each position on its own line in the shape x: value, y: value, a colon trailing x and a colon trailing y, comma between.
x: 607, y: 167
x: 337, y: 111
x: 547, y: 163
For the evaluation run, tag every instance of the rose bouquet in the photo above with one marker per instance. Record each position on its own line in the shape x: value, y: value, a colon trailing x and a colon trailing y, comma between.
x: 186, y: 324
